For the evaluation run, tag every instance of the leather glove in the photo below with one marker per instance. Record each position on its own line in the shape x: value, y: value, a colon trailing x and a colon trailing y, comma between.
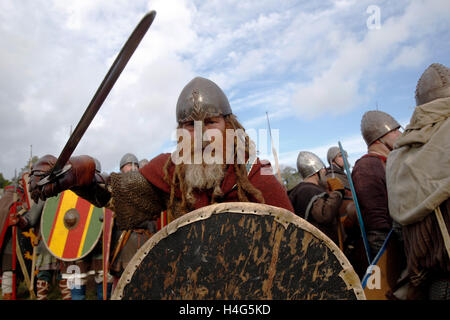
x: 80, y: 174
x: 334, y: 184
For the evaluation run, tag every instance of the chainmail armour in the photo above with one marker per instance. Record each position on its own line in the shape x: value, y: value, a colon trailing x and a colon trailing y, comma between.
x: 135, y: 199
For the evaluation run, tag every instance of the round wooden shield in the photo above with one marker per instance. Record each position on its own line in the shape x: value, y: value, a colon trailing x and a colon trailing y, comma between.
x: 70, y: 226
x: 239, y: 251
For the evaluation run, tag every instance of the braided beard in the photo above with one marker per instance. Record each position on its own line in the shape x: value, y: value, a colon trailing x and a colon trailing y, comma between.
x: 203, y: 177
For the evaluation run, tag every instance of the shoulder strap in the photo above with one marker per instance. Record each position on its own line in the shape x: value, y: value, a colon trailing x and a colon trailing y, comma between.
x: 311, y: 202
x: 443, y: 229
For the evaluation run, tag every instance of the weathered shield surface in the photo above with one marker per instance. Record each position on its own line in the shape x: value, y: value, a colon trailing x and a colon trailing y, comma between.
x: 239, y: 251
x: 70, y: 226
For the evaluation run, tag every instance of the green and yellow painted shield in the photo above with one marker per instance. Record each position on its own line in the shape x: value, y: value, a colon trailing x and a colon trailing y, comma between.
x: 70, y: 226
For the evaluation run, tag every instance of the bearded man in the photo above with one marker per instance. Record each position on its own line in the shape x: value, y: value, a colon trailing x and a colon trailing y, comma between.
x: 178, y: 187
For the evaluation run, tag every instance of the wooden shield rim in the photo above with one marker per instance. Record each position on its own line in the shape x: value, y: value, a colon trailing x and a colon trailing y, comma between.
x: 77, y: 258
x: 282, y: 216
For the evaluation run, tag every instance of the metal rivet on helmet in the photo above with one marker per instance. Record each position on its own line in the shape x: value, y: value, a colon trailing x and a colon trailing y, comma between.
x: 201, y: 98
x: 308, y: 164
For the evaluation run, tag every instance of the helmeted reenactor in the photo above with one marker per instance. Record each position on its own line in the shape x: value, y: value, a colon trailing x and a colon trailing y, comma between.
x: 347, y: 210
x: 13, y: 196
x: 418, y: 182
x: 129, y: 162
x: 311, y: 199
x: 177, y: 186
x: 142, y: 163
x: 77, y: 272
x: 23, y: 217
x: 129, y: 241
x: 336, y: 168
x: 380, y: 131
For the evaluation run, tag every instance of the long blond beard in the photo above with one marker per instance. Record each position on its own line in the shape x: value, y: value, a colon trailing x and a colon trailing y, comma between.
x: 203, y: 177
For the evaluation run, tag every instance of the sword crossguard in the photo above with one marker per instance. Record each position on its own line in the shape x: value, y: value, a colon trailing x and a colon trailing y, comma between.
x: 52, y: 177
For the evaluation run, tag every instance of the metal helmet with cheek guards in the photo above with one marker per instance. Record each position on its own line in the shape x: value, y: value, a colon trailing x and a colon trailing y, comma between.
x: 128, y: 158
x: 200, y: 99
x: 433, y: 84
x: 308, y: 164
x: 375, y: 124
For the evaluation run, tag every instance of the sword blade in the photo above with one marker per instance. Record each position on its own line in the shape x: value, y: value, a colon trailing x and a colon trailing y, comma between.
x: 103, y: 90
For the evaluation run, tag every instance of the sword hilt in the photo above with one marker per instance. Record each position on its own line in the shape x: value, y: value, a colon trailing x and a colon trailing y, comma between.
x: 53, y: 176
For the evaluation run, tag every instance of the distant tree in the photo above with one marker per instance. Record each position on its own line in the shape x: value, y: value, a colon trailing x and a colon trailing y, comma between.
x: 26, y: 168
x: 29, y: 163
x: 290, y: 176
x: 3, y: 182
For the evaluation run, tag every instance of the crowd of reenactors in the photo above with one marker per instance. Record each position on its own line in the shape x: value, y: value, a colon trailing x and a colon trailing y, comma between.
x: 48, y: 269
x: 393, y: 202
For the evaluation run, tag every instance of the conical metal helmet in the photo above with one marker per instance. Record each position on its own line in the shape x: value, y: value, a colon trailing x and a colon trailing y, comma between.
x: 433, y: 84
x: 375, y: 124
x: 201, y: 98
x: 142, y: 163
x: 128, y: 158
x: 333, y: 152
x: 308, y: 164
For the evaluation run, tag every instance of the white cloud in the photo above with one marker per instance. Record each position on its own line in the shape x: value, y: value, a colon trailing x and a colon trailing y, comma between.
x: 57, y: 58
x: 410, y: 56
x: 338, y: 89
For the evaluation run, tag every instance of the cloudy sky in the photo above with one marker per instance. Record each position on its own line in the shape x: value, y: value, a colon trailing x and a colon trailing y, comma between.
x: 315, y: 67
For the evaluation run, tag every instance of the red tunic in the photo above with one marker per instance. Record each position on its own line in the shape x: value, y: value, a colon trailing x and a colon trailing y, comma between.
x: 369, y: 179
x: 273, y: 192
